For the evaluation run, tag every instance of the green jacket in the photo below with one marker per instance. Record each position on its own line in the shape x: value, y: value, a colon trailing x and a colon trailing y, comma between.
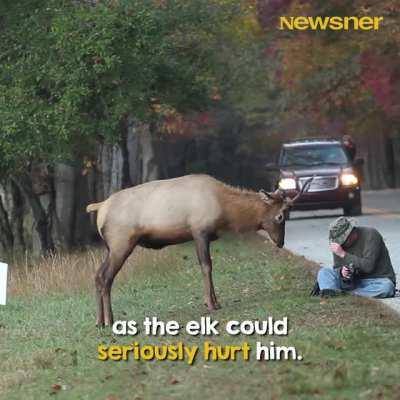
x: 369, y: 255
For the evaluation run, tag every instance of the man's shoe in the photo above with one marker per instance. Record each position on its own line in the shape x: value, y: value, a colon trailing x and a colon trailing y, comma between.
x: 315, y: 291
x: 330, y: 292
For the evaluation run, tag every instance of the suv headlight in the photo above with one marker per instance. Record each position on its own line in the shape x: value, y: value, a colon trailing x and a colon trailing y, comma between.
x: 287, y: 184
x: 348, y: 179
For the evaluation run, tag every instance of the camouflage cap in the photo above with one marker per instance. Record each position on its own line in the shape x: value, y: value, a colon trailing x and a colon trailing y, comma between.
x: 340, y: 229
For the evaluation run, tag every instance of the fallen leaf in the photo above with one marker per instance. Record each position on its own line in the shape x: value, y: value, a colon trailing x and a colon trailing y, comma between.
x: 55, y: 387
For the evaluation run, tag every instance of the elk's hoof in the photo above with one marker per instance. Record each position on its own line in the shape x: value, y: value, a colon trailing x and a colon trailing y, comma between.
x: 104, y: 324
x: 213, y: 307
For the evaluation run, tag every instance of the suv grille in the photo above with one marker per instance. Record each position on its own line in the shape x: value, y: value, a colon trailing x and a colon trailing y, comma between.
x: 320, y: 183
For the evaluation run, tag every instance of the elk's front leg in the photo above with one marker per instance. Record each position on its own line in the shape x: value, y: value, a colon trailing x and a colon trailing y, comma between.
x: 203, y: 254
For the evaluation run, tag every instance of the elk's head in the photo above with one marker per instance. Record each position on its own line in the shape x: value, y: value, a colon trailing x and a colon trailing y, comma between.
x: 275, y: 217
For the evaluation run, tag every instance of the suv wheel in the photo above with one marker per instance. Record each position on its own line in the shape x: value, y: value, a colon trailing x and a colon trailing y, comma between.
x: 353, y: 210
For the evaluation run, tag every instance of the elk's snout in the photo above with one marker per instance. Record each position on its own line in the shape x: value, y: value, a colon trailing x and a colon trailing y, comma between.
x: 281, y: 235
x: 275, y: 235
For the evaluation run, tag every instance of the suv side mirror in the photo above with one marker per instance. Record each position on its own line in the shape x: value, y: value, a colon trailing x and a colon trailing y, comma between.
x: 272, y: 167
x: 358, y: 162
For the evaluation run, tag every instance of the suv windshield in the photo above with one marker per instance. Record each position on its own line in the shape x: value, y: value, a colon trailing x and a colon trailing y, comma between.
x: 314, y: 155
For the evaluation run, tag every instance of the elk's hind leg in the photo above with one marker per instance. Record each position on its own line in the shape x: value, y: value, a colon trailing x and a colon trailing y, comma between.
x: 203, y: 253
x: 99, y: 281
x: 119, y: 252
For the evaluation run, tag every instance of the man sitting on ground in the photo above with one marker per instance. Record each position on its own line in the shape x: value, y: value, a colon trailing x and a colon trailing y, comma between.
x: 361, y: 259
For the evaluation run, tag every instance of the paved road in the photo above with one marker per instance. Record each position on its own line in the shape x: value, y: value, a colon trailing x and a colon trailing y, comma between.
x: 307, y: 232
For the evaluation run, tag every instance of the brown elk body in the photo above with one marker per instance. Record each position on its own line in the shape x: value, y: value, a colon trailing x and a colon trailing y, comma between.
x: 161, y: 213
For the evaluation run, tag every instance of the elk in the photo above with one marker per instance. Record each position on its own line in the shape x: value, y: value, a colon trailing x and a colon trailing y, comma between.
x: 166, y: 212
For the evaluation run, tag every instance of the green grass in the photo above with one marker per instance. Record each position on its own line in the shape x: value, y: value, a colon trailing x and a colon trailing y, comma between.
x: 350, y: 345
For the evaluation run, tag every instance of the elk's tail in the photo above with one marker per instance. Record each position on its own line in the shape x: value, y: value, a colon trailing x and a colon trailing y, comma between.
x: 94, y: 207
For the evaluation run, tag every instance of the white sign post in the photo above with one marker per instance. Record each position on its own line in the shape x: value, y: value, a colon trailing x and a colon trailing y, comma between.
x: 3, y: 283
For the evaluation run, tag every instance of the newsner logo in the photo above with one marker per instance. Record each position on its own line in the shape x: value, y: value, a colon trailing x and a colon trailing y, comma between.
x: 330, y: 23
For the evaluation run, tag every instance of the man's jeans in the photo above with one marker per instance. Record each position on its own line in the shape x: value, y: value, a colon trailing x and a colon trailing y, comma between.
x: 328, y: 278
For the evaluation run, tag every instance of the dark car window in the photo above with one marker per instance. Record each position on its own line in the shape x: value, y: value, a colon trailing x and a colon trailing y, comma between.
x: 314, y: 155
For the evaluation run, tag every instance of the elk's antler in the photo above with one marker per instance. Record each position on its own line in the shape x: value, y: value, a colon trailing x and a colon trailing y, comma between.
x: 277, y: 195
x: 305, y: 188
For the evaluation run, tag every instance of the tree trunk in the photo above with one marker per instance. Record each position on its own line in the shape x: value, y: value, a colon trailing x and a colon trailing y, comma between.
x: 104, y: 162
x: 372, y: 146
x: 396, y: 160
x: 6, y: 235
x: 110, y: 171
x: 17, y: 217
x: 150, y: 170
x: 83, y: 231
x: 42, y: 218
x: 133, y: 151
x: 64, y: 186
x: 117, y: 169
x: 375, y: 163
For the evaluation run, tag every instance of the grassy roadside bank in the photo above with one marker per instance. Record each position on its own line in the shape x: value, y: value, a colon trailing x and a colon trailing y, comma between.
x: 48, y: 342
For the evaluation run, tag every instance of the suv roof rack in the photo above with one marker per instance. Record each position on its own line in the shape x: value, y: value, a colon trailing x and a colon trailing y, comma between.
x: 313, y: 139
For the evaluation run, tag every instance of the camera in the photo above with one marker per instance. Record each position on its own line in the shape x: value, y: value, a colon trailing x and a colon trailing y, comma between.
x: 348, y: 283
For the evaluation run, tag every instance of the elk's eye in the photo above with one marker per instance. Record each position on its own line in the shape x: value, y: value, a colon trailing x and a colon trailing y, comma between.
x: 279, y: 218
